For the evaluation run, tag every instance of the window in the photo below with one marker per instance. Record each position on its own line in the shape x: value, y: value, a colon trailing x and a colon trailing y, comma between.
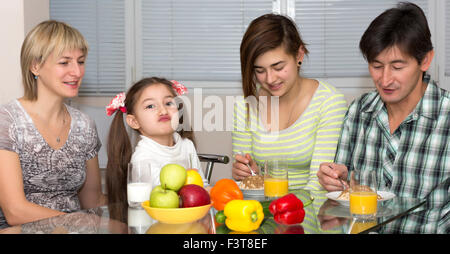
x: 333, y: 29
x: 197, y: 41
x: 441, y: 36
x: 103, y: 24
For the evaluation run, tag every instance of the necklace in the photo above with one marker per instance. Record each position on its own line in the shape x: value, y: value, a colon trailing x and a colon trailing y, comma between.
x: 58, y: 138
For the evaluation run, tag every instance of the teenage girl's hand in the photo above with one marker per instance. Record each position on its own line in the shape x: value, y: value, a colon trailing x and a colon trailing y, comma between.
x: 240, y: 169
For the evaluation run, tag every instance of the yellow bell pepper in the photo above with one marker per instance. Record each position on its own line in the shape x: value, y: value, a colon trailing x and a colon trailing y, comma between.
x: 243, y: 215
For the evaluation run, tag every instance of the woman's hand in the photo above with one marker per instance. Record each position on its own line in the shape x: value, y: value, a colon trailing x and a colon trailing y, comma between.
x: 11, y: 230
x: 90, y: 194
x: 329, y: 173
x: 240, y: 169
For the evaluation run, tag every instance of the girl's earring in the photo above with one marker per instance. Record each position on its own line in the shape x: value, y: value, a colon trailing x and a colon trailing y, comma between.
x: 299, y: 63
x: 35, y: 77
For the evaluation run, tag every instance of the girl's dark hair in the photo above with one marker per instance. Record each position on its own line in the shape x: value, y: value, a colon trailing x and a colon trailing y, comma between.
x: 119, y: 147
x: 266, y: 33
x: 404, y: 26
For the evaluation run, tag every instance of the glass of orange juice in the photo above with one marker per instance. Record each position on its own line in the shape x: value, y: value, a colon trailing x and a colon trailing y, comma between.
x: 275, y: 179
x: 363, y: 194
x: 359, y: 225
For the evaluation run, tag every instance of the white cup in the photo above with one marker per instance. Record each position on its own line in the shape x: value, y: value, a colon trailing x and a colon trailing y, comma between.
x: 138, y: 220
x: 139, y: 183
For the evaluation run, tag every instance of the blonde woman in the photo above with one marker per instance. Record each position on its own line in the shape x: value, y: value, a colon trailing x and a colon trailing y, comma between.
x: 48, y: 150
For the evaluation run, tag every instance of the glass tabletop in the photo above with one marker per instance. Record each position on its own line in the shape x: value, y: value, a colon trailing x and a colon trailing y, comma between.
x: 331, y: 217
x: 328, y: 217
x: 336, y: 216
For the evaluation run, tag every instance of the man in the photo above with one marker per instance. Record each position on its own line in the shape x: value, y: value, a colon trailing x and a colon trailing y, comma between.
x: 401, y: 130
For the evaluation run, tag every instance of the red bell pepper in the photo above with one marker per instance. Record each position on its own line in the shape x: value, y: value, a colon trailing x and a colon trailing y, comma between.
x: 287, y: 210
x: 291, y: 229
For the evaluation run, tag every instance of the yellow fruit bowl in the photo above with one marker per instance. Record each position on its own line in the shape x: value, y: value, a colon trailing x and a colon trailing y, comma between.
x: 176, y: 215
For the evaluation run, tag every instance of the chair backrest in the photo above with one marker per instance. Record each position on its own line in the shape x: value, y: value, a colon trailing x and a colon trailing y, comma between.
x: 211, y: 159
x: 102, y: 122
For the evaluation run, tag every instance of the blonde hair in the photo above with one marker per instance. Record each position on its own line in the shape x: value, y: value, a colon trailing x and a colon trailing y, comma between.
x: 48, y: 37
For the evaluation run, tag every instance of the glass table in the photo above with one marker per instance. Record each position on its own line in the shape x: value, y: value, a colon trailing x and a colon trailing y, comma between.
x: 327, y: 217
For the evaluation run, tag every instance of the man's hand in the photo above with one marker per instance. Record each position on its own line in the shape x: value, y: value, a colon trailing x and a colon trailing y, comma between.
x: 329, y: 173
x: 328, y: 222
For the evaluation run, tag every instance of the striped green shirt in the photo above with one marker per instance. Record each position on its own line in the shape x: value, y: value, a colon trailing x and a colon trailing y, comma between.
x: 413, y: 162
x: 311, y: 140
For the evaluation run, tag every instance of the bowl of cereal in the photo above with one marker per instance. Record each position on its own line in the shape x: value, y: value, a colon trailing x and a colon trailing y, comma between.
x: 252, y: 187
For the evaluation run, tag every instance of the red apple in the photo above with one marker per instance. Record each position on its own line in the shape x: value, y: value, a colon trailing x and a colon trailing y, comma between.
x: 192, y: 195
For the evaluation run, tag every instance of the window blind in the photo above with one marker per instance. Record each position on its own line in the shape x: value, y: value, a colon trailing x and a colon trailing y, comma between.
x: 333, y: 28
x: 102, y: 23
x: 196, y: 39
x: 199, y: 40
x: 447, y: 38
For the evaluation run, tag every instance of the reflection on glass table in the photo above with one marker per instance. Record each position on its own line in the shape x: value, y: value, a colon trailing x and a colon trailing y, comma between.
x: 139, y: 222
x: 391, y: 210
x: 329, y: 217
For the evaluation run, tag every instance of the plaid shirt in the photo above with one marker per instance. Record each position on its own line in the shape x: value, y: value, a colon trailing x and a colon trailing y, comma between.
x: 412, y: 162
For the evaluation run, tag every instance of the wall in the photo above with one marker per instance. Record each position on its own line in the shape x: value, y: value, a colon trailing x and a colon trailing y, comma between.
x: 12, y: 29
x: 35, y: 11
x: 16, y: 19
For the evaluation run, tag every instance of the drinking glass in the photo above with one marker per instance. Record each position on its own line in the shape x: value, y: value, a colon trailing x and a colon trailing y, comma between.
x: 138, y: 220
x: 363, y: 194
x: 359, y: 225
x: 275, y: 179
x: 139, y: 182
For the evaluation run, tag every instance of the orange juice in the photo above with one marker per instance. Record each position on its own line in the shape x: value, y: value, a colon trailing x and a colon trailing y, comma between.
x: 360, y: 226
x: 363, y: 202
x: 275, y: 187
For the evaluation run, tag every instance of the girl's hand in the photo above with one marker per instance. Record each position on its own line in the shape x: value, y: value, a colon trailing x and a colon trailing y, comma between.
x: 240, y: 169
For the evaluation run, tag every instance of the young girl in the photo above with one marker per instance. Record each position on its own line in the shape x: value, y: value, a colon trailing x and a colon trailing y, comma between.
x: 152, y: 111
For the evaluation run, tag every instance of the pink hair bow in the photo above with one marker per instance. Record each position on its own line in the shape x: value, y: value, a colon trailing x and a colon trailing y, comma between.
x: 118, y: 103
x: 179, y: 88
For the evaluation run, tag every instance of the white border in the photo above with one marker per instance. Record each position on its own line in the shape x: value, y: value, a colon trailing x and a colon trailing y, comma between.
x: 440, y: 54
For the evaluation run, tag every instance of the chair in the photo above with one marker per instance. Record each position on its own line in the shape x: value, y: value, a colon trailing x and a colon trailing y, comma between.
x: 210, y: 159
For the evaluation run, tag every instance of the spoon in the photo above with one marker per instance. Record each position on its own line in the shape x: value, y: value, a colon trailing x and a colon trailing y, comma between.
x: 344, y: 187
x: 251, y: 170
x: 342, y: 182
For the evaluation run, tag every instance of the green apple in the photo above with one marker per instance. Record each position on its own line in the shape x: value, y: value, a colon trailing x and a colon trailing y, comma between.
x: 172, y: 176
x: 163, y: 198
